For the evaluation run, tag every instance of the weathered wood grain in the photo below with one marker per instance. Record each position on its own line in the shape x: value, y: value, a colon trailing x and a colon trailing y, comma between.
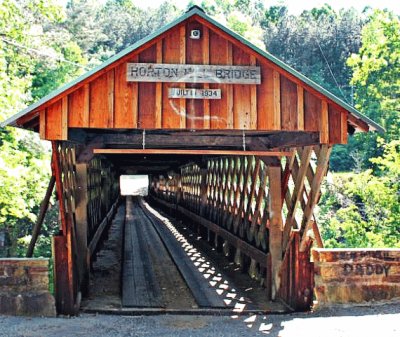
x: 147, y: 93
x: 53, y: 121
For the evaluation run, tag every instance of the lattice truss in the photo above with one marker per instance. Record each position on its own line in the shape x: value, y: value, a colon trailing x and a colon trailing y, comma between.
x: 234, y: 193
x: 64, y: 168
x: 237, y: 197
x: 303, y: 173
x: 101, y: 190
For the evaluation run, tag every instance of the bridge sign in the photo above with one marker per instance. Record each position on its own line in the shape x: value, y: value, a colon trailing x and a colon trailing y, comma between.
x: 192, y: 73
x: 194, y: 93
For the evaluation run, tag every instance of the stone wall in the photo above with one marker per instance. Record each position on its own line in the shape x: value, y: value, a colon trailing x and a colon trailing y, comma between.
x: 356, y: 276
x: 24, y: 287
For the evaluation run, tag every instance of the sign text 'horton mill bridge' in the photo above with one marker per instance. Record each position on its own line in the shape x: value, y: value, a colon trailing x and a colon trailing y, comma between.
x: 243, y: 139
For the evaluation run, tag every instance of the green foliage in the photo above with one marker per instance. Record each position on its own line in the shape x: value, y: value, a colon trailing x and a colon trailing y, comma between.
x: 242, y: 16
x: 30, y: 32
x: 376, y: 71
x: 363, y: 209
x: 317, y: 43
x: 376, y: 77
x: 103, y: 30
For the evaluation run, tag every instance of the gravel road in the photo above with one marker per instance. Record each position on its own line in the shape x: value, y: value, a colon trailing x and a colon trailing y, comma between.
x: 383, y: 320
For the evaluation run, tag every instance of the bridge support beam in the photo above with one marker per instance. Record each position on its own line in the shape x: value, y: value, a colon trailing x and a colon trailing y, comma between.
x: 62, y: 246
x: 275, y: 226
x: 81, y: 220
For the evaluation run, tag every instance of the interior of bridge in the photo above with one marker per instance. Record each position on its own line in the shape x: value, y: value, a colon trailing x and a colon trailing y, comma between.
x: 229, y: 269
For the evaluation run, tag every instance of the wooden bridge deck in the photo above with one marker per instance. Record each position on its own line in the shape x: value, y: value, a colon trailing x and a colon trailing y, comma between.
x: 155, y: 263
x: 159, y: 265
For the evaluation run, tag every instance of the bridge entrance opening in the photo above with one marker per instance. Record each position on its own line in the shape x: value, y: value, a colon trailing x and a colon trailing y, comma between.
x: 236, y: 161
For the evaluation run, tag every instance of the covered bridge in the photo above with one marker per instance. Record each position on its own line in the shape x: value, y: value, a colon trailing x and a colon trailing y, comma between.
x: 231, y: 137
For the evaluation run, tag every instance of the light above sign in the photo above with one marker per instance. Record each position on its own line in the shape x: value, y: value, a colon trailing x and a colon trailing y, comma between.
x: 192, y: 73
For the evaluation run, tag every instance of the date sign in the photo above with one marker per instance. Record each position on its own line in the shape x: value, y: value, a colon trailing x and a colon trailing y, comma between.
x: 194, y: 93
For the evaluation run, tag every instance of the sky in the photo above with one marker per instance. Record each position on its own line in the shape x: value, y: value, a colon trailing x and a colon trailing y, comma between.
x: 297, y: 6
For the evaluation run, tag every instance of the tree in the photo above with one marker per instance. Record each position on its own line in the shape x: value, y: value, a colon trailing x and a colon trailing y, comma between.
x: 28, y: 35
x: 317, y: 43
x: 376, y: 78
x: 363, y: 209
x: 103, y: 30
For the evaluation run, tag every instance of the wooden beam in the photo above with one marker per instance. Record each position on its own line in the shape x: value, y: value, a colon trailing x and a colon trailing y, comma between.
x: 62, y: 246
x: 229, y: 90
x: 297, y: 193
x: 275, y: 226
x: 42, y: 212
x: 277, y: 100
x: 253, y: 99
x: 100, y: 229
x: 158, y: 98
x: 322, y: 166
x: 182, y: 59
x: 42, y: 124
x: 300, y: 107
x: 343, y: 123
x: 64, y: 118
x: 81, y: 220
x: 135, y: 98
x: 110, y: 97
x: 324, y: 123
x: 63, y: 292
x: 86, y: 103
x: 192, y: 152
x: 206, y: 60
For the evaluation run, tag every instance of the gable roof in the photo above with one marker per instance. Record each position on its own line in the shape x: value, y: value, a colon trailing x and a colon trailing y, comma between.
x: 195, y: 10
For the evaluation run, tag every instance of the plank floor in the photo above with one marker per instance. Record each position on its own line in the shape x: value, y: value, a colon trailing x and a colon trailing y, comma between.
x: 139, y: 287
x: 154, y: 263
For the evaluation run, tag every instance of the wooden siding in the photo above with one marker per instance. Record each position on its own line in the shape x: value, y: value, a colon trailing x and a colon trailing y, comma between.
x: 280, y: 102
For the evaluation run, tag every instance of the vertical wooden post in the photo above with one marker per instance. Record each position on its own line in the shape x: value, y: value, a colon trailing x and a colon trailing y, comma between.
x: 81, y: 220
x: 62, y: 250
x: 203, y: 192
x: 275, y: 229
x: 39, y: 222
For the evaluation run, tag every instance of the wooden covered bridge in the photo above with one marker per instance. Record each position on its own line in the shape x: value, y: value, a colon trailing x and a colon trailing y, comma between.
x: 233, y: 140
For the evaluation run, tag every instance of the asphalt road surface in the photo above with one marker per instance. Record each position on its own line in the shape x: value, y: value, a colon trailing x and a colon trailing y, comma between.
x: 379, y: 320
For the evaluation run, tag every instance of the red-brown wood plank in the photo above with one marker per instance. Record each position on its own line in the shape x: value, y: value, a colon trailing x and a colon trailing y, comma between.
x: 170, y: 106
x: 78, y: 112
x: 158, y: 98
x: 265, y: 99
x: 194, y: 55
x: 253, y: 99
x: 288, y: 104
x: 125, y: 109
x: 241, y: 94
x: 300, y: 107
x: 324, y: 123
x: 219, y: 107
x: 344, y: 134
x: 42, y: 124
x: 182, y: 59
x: 100, y: 115
x: 335, y: 125
x: 64, y: 118
x: 206, y: 60
x: 147, y: 93
x: 53, y: 121
x: 312, y: 112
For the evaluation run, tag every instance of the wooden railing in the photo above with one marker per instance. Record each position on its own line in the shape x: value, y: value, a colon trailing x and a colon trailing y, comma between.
x: 266, y: 204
